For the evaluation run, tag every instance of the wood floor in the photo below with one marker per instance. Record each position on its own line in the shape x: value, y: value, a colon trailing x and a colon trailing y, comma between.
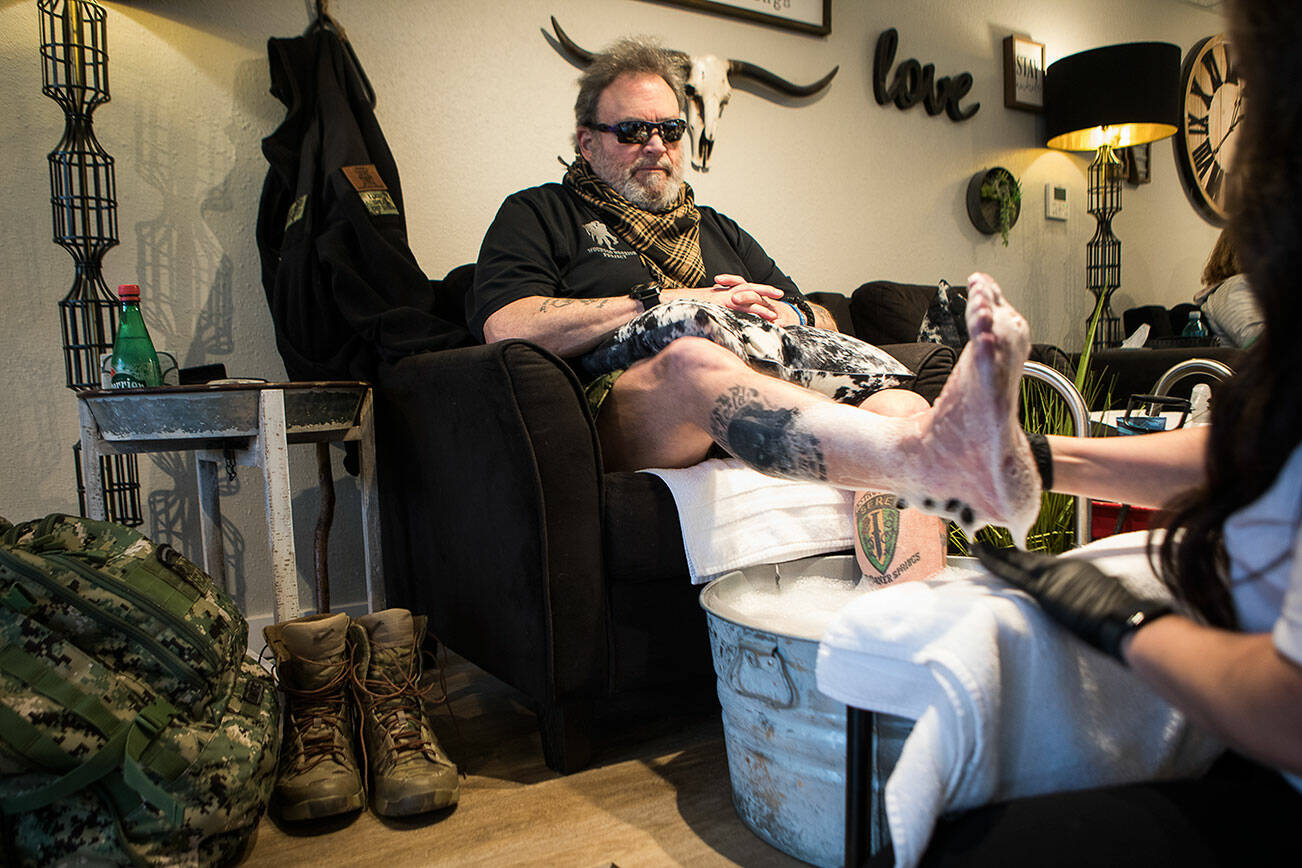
x: 656, y: 794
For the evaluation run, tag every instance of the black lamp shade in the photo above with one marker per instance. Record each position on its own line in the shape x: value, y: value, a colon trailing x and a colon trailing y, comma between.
x: 1134, y: 87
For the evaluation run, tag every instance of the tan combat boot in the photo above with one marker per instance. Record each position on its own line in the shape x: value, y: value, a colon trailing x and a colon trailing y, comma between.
x: 318, y: 774
x: 408, y: 770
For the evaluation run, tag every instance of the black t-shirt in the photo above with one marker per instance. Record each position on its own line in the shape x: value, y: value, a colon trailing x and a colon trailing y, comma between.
x: 546, y: 241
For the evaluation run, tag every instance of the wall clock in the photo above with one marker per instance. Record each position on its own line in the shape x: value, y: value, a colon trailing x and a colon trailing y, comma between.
x: 1205, y: 139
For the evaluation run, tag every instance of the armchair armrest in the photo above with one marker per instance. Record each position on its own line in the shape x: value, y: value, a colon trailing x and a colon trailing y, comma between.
x: 930, y: 362
x: 491, y: 479
x: 838, y: 306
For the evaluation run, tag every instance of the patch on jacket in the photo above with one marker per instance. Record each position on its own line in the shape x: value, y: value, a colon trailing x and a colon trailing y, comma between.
x: 371, y: 188
x: 364, y: 178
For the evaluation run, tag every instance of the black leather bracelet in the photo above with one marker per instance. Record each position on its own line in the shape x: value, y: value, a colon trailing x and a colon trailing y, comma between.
x: 1043, y: 458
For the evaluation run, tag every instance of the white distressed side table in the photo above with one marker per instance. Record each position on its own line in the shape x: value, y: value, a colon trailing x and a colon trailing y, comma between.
x: 253, y: 424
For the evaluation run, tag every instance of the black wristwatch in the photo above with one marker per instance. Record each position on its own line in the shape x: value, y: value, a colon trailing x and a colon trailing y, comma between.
x: 647, y: 293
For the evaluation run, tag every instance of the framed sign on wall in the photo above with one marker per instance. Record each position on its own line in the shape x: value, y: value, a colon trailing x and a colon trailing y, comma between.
x: 1023, y: 74
x: 807, y: 16
x: 1136, y: 163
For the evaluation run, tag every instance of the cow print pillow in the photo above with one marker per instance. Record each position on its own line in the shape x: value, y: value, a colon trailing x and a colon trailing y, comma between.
x: 945, y: 321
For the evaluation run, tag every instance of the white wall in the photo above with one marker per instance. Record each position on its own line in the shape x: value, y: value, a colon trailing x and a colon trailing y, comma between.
x: 476, y: 103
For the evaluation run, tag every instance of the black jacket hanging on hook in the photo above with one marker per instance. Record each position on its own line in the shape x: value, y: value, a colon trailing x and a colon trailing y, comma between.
x: 344, y: 289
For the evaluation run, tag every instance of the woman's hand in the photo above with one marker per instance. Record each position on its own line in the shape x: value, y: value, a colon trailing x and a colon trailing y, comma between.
x: 1077, y: 594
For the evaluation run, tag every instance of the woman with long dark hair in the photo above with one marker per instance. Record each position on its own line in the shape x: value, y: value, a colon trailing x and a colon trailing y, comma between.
x: 1232, y: 553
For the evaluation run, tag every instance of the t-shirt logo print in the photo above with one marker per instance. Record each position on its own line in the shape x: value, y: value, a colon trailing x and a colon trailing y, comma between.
x: 600, y: 234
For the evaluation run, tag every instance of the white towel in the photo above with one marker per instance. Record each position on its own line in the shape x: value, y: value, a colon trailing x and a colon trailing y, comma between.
x: 1007, y: 703
x: 734, y: 517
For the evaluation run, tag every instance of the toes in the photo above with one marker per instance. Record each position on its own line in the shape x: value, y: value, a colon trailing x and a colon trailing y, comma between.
x: 952, y: 509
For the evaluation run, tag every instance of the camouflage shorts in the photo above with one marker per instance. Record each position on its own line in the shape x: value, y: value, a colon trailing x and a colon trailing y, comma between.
x: 599, y: 389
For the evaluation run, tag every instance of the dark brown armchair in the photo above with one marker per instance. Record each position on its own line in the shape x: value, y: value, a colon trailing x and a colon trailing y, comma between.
x: 500, y: 523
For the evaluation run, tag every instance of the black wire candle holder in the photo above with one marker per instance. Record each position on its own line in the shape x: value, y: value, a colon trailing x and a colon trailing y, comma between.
x: 83, y: 197
x: 117, y: 477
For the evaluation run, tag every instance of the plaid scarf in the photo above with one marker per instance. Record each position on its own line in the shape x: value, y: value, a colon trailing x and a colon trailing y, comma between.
x: 668, y: 243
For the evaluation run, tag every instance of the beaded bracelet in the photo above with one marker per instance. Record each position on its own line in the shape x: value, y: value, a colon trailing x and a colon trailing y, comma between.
x: 802, y: 307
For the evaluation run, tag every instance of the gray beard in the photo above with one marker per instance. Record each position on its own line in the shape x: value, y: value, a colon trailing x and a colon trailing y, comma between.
x: 628, y: 187
x: 645, y: 199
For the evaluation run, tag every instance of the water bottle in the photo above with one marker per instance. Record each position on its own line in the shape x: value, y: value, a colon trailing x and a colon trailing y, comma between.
x: 133, y: 363
x: 1195, y: 327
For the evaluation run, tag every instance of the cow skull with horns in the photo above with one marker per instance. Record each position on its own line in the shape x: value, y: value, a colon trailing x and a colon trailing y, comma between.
x: 708, y: 90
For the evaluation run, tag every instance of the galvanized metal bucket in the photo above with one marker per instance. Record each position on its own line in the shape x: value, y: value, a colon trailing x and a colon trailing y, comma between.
x: 785, y: 739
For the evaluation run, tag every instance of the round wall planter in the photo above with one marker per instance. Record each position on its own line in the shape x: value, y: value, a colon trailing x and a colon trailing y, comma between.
x: 984, y: 213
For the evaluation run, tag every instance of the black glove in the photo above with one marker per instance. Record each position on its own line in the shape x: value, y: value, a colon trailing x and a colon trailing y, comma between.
x: 1077, y: 594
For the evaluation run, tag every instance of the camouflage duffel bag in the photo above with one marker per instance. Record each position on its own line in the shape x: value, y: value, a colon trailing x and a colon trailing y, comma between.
x: 134, y: 728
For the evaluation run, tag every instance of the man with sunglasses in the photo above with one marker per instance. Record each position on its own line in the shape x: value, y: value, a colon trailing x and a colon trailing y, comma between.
x: 671, y: 311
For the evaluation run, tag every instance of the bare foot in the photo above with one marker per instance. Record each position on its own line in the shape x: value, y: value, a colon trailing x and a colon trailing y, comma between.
x: 978, y: 468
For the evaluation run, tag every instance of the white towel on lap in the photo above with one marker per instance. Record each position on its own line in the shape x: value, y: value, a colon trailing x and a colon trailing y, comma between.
x: 734, y: 517
x: 1007, y: 703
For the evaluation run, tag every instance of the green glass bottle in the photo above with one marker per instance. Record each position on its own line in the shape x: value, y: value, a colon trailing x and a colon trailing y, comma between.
x: 134, y: 362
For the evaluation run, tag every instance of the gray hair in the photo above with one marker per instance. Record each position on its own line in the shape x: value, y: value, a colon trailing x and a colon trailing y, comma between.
x: 627, y: 56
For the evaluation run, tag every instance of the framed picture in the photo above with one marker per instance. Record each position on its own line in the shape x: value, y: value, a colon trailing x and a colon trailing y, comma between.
x: 1135, y: 163
x: 1023, y: 74
x: 807, y: 16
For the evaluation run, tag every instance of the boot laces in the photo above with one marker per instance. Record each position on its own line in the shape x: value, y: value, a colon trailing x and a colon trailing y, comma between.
x: 397, y: 703
x: 318, y: 715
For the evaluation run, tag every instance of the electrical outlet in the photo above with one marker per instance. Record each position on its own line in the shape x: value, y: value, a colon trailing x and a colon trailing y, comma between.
x: 1055, y: 202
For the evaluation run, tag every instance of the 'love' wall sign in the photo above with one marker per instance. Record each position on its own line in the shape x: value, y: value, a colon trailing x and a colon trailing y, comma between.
x: 915, y: 83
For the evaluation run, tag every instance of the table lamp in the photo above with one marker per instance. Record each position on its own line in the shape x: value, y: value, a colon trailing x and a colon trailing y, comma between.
x: 1100, y: 100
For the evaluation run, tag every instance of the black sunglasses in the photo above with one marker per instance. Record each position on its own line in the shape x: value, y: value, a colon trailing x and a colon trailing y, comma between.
x: 639, y: 132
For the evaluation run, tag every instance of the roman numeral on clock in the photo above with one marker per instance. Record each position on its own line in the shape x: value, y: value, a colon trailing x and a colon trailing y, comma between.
x: 1197, y: 125
x: 1203, y: 158
x: 1214, y: 70
x: 1205, y: 163
x: 1213, y: 182
x: 1196, y: 89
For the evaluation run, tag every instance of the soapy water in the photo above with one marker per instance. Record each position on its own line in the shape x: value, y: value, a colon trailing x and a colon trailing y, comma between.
x: 804, y: 606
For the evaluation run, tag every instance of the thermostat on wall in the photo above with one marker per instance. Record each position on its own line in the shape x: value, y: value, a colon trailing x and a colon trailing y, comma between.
x: 1055, y: 202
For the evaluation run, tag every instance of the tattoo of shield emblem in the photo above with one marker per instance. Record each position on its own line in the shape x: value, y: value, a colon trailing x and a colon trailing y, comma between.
x: 877, y: 523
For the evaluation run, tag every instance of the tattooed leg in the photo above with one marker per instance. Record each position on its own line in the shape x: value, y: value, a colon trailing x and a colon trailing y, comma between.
x: 967, y: 459
x: 770, y: 439
x: 893, y: 544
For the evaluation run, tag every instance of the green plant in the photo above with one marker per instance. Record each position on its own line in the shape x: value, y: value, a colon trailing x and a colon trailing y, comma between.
x: 1004, y: 190
x: 1083, y: 366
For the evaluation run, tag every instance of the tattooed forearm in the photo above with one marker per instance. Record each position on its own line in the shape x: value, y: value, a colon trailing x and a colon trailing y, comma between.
x: 554, y: 303
x: 770, y: 439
